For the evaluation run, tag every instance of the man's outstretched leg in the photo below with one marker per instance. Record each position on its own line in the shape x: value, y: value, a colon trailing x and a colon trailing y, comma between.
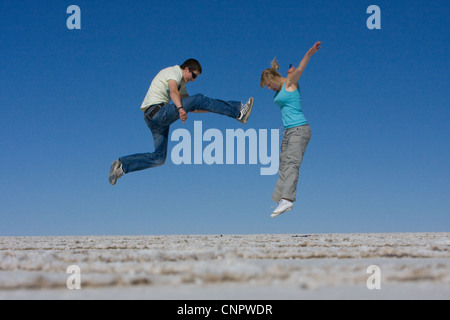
x: 233, y: 109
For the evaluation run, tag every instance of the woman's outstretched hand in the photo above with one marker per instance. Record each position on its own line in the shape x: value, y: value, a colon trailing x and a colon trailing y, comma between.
x: 315, y: 48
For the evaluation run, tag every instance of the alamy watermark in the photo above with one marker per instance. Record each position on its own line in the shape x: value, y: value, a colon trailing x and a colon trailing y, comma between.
x: 214, y: 147
x: 74, y: 280
x: 374, y: 281
x: 374, y: 21
x: 74, y: 20
x: 215, y: 152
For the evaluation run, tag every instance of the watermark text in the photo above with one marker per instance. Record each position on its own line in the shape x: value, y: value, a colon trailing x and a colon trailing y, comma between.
x: 228, y: 148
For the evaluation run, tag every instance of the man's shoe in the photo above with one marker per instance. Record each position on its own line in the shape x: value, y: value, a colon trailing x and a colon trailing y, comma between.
x: 245, y: 111
x: 283, y: 206
x: 116, y: 172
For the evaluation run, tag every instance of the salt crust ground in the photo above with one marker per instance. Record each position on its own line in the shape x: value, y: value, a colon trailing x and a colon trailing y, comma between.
x: 269, y: 267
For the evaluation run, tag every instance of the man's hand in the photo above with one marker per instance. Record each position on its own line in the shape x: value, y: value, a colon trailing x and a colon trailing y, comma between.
x: 183, y: 115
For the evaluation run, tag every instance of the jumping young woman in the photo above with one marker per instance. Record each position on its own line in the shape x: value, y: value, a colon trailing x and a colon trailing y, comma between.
x: 298, y: 131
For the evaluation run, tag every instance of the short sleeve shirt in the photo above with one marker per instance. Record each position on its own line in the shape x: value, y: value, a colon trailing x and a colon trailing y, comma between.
x: 159, y: 91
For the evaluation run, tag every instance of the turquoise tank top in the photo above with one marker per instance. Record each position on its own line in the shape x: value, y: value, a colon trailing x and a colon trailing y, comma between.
x: 290, y: 104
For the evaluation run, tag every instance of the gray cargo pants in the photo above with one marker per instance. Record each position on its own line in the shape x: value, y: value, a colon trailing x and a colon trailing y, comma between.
x: 293, y: 148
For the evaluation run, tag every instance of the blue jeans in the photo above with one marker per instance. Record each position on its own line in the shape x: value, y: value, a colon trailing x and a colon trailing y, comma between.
x: 160, y: 125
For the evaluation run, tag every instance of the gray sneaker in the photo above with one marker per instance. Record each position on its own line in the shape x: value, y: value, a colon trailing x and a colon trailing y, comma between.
x: 116, y: 172
x: 245, y: 111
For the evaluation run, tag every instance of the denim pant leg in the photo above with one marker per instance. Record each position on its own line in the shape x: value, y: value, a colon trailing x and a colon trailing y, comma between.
x: 203, y: 103
x: 159, y: 127
x: 293, y: 148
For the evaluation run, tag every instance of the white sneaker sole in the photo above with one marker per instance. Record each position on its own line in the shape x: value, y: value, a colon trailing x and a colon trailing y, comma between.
x: 245, y: 119
x: 112, y: 173
x: 274, y: 215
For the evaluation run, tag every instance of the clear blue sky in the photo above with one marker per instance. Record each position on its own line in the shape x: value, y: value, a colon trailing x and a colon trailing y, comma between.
x: 377, y: 102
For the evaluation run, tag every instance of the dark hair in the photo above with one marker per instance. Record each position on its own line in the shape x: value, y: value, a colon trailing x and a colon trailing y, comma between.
x: 192, y: 64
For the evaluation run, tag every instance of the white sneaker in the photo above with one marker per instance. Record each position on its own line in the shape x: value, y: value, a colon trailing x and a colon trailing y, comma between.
x: 116, y: 172
x: 245, y: 111
x: 283, y: 206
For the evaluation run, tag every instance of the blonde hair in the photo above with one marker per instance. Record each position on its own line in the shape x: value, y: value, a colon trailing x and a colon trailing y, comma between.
x: 270, y: 74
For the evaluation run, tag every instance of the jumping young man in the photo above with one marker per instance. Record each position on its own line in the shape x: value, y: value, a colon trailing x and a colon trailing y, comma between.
x: 170, y: 85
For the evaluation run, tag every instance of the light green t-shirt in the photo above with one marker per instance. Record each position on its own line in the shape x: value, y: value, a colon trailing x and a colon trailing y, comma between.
x: 159, y: 91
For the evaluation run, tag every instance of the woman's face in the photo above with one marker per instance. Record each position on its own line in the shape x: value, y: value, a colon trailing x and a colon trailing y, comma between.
x: 273, y: 85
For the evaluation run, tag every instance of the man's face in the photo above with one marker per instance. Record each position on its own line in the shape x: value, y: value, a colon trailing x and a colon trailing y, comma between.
x: 190, y: 75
